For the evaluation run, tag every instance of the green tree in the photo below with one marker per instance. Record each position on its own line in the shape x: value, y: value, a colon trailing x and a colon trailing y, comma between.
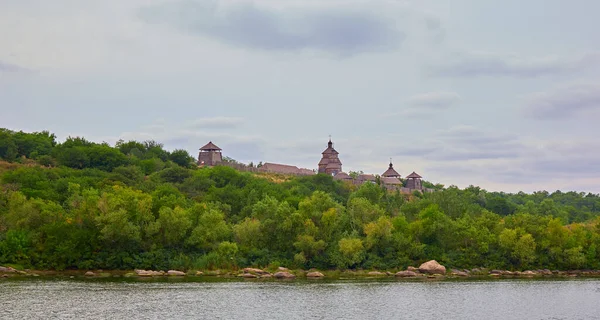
x: 174, y: 225
x: 210, y: 230
x: 352, y: 252
x: 182, y: 158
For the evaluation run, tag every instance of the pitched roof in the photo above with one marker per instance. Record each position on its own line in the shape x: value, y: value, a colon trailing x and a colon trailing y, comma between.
x: 413, y: 175
x: 210, y: 147
x: 330, y: 150
x: 342, y: 176
x: 305, y: 171
x: 285, y: 169
x: 367, y: 177
x: 390, y: 172
x: 391, y: 181
x: 279, y: 168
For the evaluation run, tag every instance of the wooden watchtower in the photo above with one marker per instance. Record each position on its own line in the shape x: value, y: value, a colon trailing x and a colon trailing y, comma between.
x: 210, y: 155
x: 414, y: 181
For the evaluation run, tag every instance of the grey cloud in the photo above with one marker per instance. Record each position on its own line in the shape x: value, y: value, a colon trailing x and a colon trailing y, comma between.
x: 450, y: 168
x: 571, y: 162
x: 434, y: 26
x: 410, y: 113
x: 216, y: 122
x: 433, y: 23
x: 472, y: 136
x: 9, y: 67
x: 243, y: 150
x: 500, y: 171
x: 491, y: 64
x: 574, y: 167
x: 239, y: 146
x: 579, y: 147
x: 426, y: 104
x: 336, y: 30
x: 466, y: 154
x: 567, y: 159
x: 464, y: 143
x: 434, y: 100
x: 563, y: 102
x: 418, y: 151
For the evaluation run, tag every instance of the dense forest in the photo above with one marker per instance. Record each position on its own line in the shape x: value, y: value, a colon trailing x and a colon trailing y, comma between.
x: 85, y: 205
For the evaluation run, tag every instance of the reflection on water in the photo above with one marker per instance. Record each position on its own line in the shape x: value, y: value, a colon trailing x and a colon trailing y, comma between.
x: 101, y: 299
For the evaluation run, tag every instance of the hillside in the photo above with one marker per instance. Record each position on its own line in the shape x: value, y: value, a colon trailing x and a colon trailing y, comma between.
x: 82, y: 205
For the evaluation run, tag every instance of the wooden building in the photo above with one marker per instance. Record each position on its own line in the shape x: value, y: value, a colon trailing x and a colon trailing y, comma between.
x: 330, y: 162
x: 284, y: 169
x: 342, y: 176
x: 414, y: 181
x: 210, y: 155
x: 391, y: 183
x: 390, y: 172
x: 390, y: 179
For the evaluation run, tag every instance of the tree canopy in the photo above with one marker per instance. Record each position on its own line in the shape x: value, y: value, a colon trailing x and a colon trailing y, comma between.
x: 81, y: 204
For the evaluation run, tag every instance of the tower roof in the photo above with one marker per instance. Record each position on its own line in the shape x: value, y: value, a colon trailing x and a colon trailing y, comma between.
x: 330, y: 149
x: 413, y: 175
x: 210, y: 147
x: 390, y: 172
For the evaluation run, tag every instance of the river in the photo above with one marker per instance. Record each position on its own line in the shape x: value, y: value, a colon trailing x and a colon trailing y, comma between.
x: 342, y: 299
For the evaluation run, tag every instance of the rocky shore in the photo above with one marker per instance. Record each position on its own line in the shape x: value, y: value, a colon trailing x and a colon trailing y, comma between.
x: 428, y: 270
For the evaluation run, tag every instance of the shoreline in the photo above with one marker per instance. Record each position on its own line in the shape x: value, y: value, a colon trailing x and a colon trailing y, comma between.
x: 284, y: 274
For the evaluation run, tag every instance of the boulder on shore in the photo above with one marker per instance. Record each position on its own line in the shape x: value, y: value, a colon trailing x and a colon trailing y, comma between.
x: 413, y: 269
x: 406, y: 274
x: 248, y: 276
x: 376, y: 273
x: 147, y: 273
x: 255, y: 271
x: 175, y: 273
x: 284, y: 275
x: 7, y: 269
x: 432, y: 267
x: 89, y: 274
x: 460, y: 273
x: 315, y: 274
x: 283, y: 269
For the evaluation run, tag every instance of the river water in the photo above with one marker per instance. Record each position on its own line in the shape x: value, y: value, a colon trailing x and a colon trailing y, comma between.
x: 341, y: 299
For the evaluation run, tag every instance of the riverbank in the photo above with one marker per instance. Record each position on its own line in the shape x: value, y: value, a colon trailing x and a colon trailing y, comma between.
x: 286, y: 274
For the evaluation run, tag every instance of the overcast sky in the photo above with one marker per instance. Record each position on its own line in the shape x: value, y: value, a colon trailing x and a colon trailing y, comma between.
x: 500, y: 94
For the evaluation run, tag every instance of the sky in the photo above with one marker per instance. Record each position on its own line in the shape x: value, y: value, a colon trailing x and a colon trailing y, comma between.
x: 503, y: 95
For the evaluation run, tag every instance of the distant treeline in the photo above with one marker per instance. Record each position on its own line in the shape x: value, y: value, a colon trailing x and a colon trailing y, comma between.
x: 85, y: 205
